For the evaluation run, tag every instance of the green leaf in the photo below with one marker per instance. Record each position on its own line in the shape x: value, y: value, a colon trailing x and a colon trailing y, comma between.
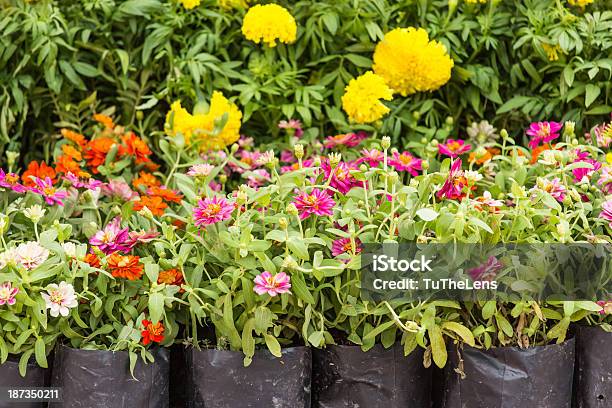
x: 298, y: 247
x: 438, y: 347
x: 592, y: 92
x: 40, y: 353
x: 427, y: 214
x: 514, y: 103
x: 156, y: 306
x: 462, y: 331
x: 300, y: 289
x: 273, y: 345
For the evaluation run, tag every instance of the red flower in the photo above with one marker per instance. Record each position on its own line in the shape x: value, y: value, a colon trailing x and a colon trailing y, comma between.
x: 96, y: 151
x: 125, y: 266
x: 165, y: 194
x: 41, y: 171
x: 152, y: 332
x: 171, y: 277
x: 136, y: 147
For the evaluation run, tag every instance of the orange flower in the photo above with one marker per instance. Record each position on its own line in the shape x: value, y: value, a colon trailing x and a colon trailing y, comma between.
x: 75, y: 137
x: 179, y: 224
x: 145, y: 179
x: 152, y: 166
x: 37, y: 170
x: 155, y: 204
x: 72, y: 152
x: 135, y: 146
x: 171, y: 277
x: 165, y: 193
x: 92, y: 259
x: 65, y: 165
x: 96, y: 151
x: 490, y: 153
x: 125, y: 266
x: 107, y: 121
x: 152, y: 332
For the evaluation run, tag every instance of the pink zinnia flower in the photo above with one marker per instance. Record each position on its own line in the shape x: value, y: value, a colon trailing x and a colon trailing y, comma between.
x: 141, y: 237
x: 543, y: 132
x: 273, y: 285
x: 7, y: 294
x: 317, y: 203
x: 554, y: 188
x: 258, y: 178
x: 212, y: 210
x: 341, y: 177
x: 46, y: 189
x: 119, y: 189
x: 606, y: 212
x: 294, y: 124
x: 112, y: 238
x: 215, y: 186
x: 344, y: 245
x: 11, y: 180
x: 455, y: 182
x: 454, y: 148
x: 372, y: 157
x: 486, y: 271
x: 581, y: 173
x: 347, y: 139
x: 287, y: 156
x: 200, y: 170
x: 605, y: 180
x: 31, y: 255
x: 245, y: 141
x: 60, y: 299
x: 406, y: 162
x: 606, y: 307
x: 603, y: 134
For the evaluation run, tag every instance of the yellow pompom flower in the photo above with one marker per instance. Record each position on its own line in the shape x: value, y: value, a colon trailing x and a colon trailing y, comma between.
x: 410, y: 63
x: 580, y: 3
x: 200, y: 128
x: 189, y: 4
x: 269, y: 23
x: 361, y: 99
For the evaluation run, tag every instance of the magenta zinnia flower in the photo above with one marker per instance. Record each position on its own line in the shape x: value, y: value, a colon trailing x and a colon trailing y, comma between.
x: 46, y: 189
x: 212, y: 210
x: 487, y: 271
x: 605, y: 180
x: 258, y: 178
x: 454, y: 148
x: 112, y: 238
x: 11, y: 180
x: 141, y: 237
x: 347, y: 139
x: 581, y: 173
x: 273, y: 285
x: 606, y: 212
x: 455, y: 182
x: 406, y: 162
x: 543, y: 132
x: 606, y: 307
x: 341, y: 177
x: 554, y: 188
x: 317, y: 203
x: 8, y: 294
x: 344, y: 245
x: 372, y: 157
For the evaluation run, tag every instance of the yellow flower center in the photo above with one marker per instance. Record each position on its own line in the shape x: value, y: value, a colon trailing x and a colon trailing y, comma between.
x: 214, y: 208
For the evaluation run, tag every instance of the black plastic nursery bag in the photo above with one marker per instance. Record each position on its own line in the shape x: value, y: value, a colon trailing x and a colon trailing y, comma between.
x: 510, y: 377
x: 593, y: 373
x: 345, y: 376
x: 102, y: 379
x: 36, y: 377
x: 218, y: 379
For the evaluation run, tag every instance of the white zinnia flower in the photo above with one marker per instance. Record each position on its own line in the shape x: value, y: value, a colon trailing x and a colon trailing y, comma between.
x: 8, y: 257
x: 31, y: 254
x: 70, y: 249
x: 34, y: 213
x: 60, y: 299
x: 200, y: 170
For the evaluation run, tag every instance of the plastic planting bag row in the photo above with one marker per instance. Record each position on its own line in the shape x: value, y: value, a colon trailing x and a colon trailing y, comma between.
x: 102, y: 379
x: 593, y: 373
x: 36, y: 377
x: 218, y: 379
x: 345, y: 376
x: 509, y: 377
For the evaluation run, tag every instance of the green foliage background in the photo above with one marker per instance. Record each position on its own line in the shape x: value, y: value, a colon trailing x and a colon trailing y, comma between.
x: 140, y: 55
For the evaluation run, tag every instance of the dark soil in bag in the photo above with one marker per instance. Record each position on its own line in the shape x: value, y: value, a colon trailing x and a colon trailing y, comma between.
x: 509, y: 377
x: 593, y: 373
x: 218, y: 379
x: 36, y: 377
x: 102, y: 379
x: 345, y: 376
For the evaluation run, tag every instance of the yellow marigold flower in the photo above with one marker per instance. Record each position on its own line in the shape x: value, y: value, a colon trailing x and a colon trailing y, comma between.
x: 552, y: 51
x: 580, y: 3
x: 609, y: 158
x: 200, y: 128
x: 410, y: 63
x: 189, y: 4
x: 269, y: 23
x: 361, y: 99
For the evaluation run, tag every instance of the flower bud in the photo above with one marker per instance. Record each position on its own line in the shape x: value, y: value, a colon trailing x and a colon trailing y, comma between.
x: 292, y: 209
x: 385, y: 142
x: 298, y: 149
x: 449, y: 120
x: 145, y: 212
x: 222, y: 178
x: 4, y: 223
x: 503, y: 133
x: 423, y: 140
x: 425, y: 164
x: 235, y: 148
x: 241, y: 196
x: 416, y: 115
x: 283, y: 223
x: 34, y: 213
x: 334, y: 159
x: 11, y: 158
x: 139, y: 115
x: 569, y: 129
x: 316, y: 162
x: 363, y: 168
x: 435, y: 143
x: 393, y: 177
